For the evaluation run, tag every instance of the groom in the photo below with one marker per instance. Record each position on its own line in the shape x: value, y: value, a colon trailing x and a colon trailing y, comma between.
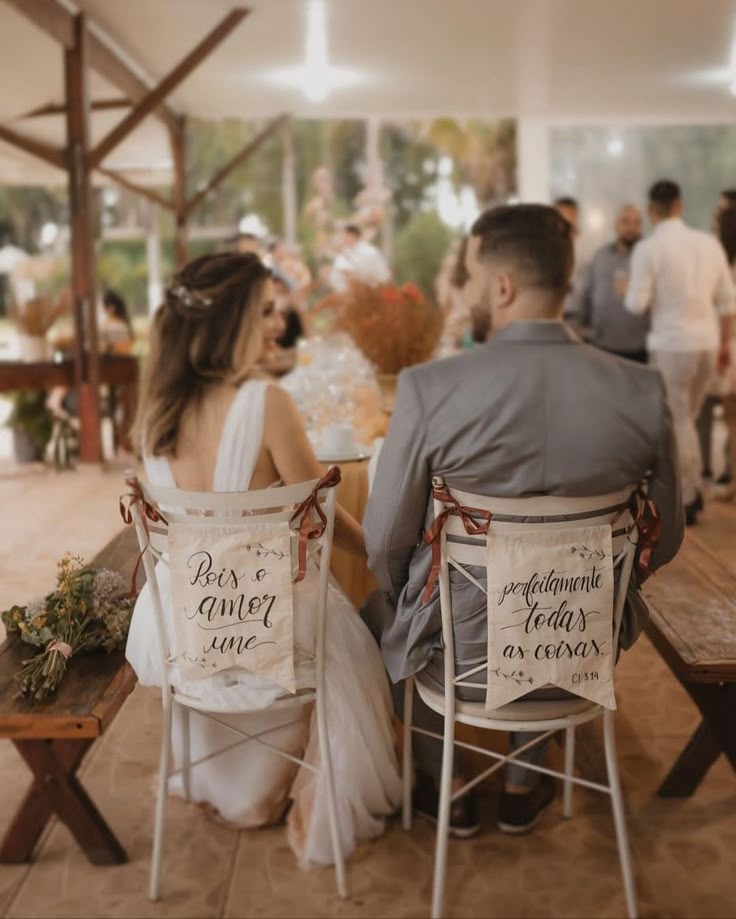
x: 533, y: 412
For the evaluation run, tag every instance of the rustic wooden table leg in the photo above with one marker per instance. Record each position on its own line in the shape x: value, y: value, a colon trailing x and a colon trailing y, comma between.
x: 53, y: 765
x: 34, y: 812
x: 691, y: 765
x: 715, y: 735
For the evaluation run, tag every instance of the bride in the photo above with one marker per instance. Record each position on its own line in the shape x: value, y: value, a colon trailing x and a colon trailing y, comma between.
x: 208, y: 422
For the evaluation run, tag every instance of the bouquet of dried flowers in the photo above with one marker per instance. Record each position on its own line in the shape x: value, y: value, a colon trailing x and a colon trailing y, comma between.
x: 394, y: 326
x: 89, y: 609
x: 36, y: 316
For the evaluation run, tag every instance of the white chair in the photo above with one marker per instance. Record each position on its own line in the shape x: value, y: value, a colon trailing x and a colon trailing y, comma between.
x: 235, y: 509
x: 458, y: 549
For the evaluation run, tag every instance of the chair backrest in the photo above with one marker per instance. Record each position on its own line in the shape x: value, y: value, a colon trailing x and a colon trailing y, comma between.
x: 235, y: 509
x: 531, y: 514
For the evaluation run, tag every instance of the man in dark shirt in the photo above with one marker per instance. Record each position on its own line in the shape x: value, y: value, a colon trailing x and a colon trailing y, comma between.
x: 611, y: 326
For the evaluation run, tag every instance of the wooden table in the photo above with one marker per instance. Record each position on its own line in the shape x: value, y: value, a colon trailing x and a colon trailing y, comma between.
x: 351, y: 572
x: 115, y: 370
x: 693, y: 626
x: 53, y: 737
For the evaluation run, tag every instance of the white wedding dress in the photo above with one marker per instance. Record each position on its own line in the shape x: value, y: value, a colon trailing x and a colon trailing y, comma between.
x: 249, y: 785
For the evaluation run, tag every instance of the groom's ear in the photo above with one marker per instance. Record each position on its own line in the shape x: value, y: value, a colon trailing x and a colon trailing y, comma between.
x: 503, y: 289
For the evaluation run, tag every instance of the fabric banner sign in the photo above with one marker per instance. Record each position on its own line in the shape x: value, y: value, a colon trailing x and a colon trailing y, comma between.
x: 550, y: 613
x: 232, y: 593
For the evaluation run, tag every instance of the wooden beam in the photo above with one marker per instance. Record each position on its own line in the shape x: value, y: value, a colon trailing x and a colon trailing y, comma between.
x: 107, y: 63
x: 56, y: 108
x: 178, y: 139
x: 138, y: 189
x: 50, y: 16
x: 239, y: 158
x: 56, y: 21
x: 51, y: 155
x: 87, y: 365
x: 167, y: 85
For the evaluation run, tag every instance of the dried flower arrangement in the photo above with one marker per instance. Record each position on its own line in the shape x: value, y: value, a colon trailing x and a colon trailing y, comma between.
x: 36, y: 316
x: 395, y: 327
x: 88, y: 610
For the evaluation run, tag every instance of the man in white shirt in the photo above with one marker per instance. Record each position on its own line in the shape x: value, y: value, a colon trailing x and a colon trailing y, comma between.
x: 682, y: 276
x: 358, y: 260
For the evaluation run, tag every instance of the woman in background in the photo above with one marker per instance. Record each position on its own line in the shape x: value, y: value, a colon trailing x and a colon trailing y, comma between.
x: 116, y: 329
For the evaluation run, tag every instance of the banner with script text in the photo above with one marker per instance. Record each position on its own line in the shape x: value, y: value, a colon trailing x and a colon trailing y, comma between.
x: 550, y: 613
x: 232, y: 594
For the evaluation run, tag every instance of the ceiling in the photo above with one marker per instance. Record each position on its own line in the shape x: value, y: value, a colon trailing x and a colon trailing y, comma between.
x: 562, y: 60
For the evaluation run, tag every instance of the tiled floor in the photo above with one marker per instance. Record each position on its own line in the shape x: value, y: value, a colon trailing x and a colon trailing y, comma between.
x: 683, y: 850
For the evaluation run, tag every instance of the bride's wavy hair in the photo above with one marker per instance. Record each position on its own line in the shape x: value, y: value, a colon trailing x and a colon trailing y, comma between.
x: 206, y: 332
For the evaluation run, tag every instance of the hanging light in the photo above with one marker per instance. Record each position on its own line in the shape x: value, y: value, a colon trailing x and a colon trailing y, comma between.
x: 317, y: 78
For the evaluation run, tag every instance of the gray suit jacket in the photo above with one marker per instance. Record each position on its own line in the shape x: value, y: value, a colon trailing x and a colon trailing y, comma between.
x: 533, y: 412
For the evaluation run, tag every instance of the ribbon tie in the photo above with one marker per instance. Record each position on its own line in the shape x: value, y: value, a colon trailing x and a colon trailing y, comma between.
x: 148, y: 512
x: 61, y: 647
x: 433, y: 534
x: 308, y: 530
x: 648, y: 523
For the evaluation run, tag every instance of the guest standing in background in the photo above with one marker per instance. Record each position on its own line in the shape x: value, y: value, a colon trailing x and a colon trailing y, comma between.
x: 358, y: 259
x: 569, y: 209
x: 448, y: 288
x: 682, y: 276
x: 727, y: 380
x: 116, y: 329
x: 612, y: 327
x: 726, y: 201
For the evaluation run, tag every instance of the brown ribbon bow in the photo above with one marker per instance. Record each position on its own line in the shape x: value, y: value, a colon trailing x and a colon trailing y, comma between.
x: 433, y: 534
x: 148, y: 512
x: 648, y: 523
x: 306, y: 530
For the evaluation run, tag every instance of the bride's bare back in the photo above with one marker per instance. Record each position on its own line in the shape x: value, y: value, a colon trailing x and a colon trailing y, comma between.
x: 285, y: 454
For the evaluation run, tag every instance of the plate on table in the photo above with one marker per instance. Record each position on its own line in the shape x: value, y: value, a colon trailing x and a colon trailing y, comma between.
x: 358, y: 452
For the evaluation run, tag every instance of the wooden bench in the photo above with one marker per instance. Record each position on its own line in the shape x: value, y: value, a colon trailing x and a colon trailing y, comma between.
x: 693, y: 626
x: 53, y: 737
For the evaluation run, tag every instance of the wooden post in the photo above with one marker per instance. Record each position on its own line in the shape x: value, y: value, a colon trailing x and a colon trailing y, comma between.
x: 178, y: 152
x: 153, y: 258
x: 288, y: 185
x: 87, y: 372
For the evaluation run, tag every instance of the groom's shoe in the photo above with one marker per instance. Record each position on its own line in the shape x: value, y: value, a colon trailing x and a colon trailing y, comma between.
x: 464, y: 821
x: 520, y: 813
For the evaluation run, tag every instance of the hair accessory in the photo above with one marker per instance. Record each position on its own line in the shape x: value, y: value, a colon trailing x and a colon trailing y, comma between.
x: 189, y: 298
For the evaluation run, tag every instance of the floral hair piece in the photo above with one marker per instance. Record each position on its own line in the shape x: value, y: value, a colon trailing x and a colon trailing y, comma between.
x: 189, y: 298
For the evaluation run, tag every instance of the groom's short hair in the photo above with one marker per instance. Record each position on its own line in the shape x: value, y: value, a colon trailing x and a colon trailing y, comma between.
x: 533, y: 239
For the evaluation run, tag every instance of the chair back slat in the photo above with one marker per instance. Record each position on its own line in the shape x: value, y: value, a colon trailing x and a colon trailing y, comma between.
x: 227, y: 502
x: 545, y: 505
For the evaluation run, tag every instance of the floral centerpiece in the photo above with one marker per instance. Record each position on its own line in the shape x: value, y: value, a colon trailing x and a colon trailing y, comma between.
x: 394, y: 326
x: 88, y: 610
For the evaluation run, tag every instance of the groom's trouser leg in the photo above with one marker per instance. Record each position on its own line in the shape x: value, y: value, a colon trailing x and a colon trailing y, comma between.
x: 427, y: 751
x: 376, y: 613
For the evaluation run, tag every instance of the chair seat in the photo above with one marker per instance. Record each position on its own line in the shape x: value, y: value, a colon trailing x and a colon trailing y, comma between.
x: 301, y: 697
x: 532, y: 714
